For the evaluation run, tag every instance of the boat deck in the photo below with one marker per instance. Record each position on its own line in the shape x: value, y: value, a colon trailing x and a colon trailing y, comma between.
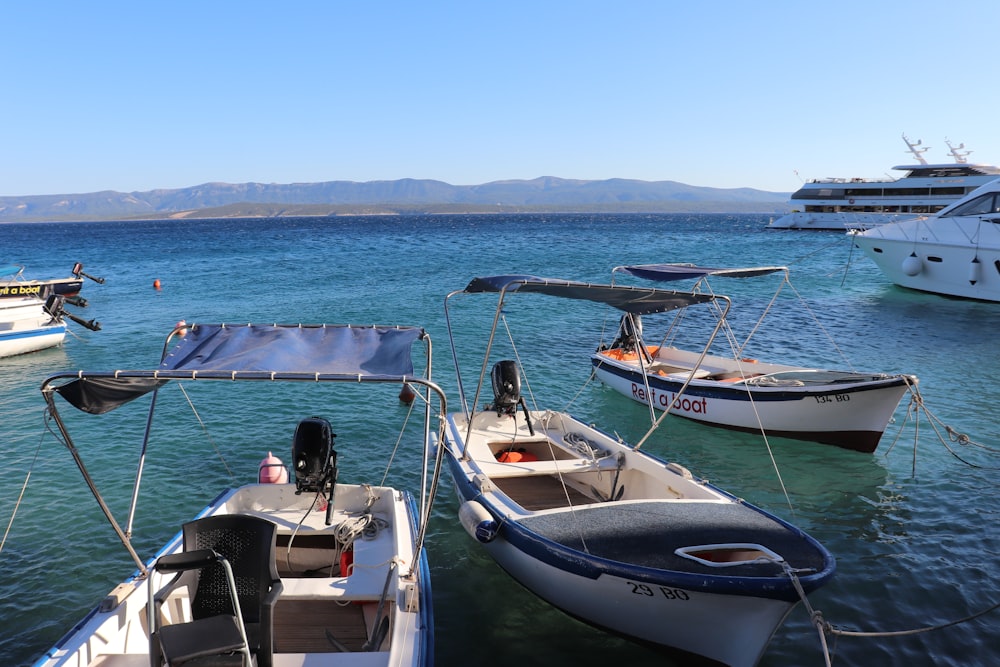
x: 537, y: 493
x: 648, y: 533
x: 302, y: 626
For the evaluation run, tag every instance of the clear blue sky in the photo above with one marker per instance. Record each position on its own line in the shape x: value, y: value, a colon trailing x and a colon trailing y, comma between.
x: 134, y: 96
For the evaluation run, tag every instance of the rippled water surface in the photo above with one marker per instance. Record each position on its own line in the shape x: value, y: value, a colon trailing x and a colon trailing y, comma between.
x: 913, y: 528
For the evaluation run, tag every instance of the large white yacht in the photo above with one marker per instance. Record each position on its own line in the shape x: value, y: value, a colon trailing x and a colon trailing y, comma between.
x: 955, y: 252
x: 861, y: 203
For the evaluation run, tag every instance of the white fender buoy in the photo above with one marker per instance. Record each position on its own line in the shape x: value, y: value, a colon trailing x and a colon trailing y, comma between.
x: 181, y: 328
x: 272, y: 471
x: 477, y: 521
x: 974, y: 270
x: 912, y: 265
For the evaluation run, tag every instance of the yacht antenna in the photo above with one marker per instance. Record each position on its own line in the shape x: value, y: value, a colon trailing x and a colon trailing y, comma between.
x: 917, y: 152
x: 959, y: 156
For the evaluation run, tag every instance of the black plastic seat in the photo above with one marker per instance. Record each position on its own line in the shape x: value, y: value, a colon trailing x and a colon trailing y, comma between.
x: 235, y: 585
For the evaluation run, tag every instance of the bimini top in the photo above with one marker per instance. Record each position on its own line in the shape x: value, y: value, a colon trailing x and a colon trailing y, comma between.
x: 10, y: 270
x: 635, y: 300
x: 669, y: 272
x: 322, y: 352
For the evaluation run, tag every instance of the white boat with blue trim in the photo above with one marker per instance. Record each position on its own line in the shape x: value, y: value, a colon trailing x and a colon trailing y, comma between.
x: 609, y: 534
x: 844, y: 408
x: 29, y: 324
x: 276, y: 573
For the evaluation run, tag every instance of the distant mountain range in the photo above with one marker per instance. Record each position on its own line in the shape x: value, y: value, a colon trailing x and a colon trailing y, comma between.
x: 404, y: 196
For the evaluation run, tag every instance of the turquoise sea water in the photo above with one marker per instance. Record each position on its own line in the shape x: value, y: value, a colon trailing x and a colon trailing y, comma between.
x: 913, y: 550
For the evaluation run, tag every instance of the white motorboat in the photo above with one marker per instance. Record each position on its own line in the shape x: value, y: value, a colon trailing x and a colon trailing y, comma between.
x: 329, y: 572
x: 862, y: 203
x: 954, y: 253
x: 609, y: 534
x: 27, y: 326
x: 844, y: 408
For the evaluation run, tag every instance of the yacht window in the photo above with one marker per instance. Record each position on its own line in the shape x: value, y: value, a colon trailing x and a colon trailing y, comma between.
x: 978, y: 206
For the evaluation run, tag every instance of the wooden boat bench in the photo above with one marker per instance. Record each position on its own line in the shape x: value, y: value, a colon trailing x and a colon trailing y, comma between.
x: 563, y: 466
x: 122, y: 660
x: 372, y: 559
x: 552, y: 458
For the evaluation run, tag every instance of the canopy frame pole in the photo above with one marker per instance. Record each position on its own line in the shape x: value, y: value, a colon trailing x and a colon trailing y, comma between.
x: 140, y: 466
x: 48, y: 393
x: 486, y: 361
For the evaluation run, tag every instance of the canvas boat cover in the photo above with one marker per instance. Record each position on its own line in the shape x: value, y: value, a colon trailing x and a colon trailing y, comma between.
x: 635, y: 300
x: 254, y: 352
x: 670, y: 272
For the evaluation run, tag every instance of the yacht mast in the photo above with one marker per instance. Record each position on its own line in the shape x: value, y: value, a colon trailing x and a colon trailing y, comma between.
x: 917, y: 152
x: 954, y: 152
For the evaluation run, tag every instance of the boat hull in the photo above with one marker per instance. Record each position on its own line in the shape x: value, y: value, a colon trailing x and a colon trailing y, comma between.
x: 13, y: 343
x: 828, y: 222
x: 26, y: 327
x: 909, y: 256
x: 621, y: 573
x: 683, y: 622
x: 10, y: 289
x: 848, y: 415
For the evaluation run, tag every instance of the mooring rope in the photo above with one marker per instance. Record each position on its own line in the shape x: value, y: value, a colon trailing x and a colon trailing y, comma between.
x: 944, y: 432
x: 825, y: 628
x: 24, y: 487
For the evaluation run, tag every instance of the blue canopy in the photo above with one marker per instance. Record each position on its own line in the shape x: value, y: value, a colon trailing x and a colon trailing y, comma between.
x: 669, y: 272
x: 635, y: 300
x: 255, y: 352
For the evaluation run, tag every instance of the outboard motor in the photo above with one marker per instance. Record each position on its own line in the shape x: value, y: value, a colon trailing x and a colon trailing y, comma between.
x: 55, y: 306
x: 629, y: 333
x: 315, y: 459
x: 507, y: 391
x: 78, y: 271
x: 506, y: 387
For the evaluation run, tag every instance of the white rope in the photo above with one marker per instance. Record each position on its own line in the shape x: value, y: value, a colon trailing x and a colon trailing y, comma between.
x: 824, y: 627
x: 944, y: 432
x: 24, y: 487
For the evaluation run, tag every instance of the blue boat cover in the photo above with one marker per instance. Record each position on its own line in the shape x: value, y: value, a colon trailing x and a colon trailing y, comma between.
x: 10, y: 270
x: 256, y: 352
x: 669, y: 272
x: 635, y: 300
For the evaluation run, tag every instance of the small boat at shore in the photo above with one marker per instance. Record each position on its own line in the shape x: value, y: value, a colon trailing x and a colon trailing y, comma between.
x: 611, y: 535
x: 13, y: 284
x: 845, y: 408
x: 29, y: 324
x: 297, y: 568
x: 26, y: 326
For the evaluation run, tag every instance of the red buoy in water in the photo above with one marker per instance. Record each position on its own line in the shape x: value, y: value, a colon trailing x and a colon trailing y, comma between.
x: 156, y: 284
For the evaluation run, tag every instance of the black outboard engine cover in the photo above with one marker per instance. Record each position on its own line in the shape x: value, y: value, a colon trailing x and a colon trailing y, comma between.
x: 629, y: 333
x: 313, y: 456
x: 506, y: 387
x: 54, y: 305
